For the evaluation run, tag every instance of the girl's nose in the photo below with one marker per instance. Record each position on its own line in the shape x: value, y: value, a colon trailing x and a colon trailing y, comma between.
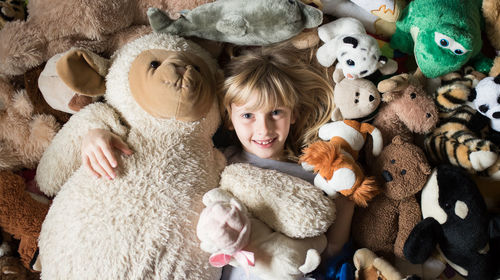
x: 263, y: 125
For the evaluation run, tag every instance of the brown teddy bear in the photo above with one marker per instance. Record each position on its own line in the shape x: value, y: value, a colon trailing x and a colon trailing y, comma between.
x: 53, y: 27
x: 385, y: 224
x: 23, y: 134
x: 21, y: 215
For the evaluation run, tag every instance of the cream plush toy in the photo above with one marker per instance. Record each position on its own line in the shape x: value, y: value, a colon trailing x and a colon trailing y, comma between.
x: 358, y: 53
x: 160, y: 93
x: 245, y: 223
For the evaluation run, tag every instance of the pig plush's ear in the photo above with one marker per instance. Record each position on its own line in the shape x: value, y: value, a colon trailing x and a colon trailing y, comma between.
x: 83, y: 72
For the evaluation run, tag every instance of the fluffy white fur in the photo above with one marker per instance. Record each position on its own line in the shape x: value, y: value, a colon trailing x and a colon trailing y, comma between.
x: 285, y: 203
x: 141, y: 225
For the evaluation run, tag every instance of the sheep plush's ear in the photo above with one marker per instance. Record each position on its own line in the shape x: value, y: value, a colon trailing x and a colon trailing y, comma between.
x: 83, y: 72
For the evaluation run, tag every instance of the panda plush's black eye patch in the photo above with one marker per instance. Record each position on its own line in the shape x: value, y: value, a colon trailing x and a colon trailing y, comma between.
x: 484, y: 108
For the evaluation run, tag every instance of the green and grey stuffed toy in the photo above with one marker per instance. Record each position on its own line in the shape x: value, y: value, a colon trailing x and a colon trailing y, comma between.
x: 443, y: 34
x: 241, y: 22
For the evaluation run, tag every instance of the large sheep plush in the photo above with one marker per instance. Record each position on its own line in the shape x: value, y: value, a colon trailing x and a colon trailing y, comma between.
x: 160, y: 98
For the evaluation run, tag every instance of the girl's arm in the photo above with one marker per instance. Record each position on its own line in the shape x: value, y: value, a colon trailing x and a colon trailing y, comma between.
x: 340, y: 231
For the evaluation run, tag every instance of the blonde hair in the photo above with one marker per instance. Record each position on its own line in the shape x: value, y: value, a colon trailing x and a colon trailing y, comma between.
x: 280, y: 77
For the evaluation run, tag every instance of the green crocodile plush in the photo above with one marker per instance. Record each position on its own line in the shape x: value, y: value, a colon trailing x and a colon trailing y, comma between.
x: 241, y: 22
x: 443, y: 35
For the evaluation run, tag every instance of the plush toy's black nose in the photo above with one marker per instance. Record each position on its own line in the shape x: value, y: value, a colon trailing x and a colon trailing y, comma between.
x: 387, y: 176
x: 371, y: 98
x: 496, y: 115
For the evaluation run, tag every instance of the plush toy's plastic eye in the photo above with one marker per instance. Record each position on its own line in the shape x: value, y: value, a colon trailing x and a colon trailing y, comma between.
x: 393, y: 161
x: 356, y: 101
x: 350, y: 62
x: 484, y: 108
x: 498, y: 99
x: 154, y: 64
x: 403, y: 172
x: 413, y: 95
x: 449, y: 43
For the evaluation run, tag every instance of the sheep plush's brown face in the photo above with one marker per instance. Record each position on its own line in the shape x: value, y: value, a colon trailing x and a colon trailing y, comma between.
x: 170, y: 84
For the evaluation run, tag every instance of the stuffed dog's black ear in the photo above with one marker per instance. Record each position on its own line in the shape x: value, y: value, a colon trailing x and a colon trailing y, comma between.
x: 351, y: 40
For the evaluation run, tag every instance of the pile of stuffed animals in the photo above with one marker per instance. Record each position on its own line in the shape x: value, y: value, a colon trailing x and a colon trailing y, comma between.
x: 414, y: 136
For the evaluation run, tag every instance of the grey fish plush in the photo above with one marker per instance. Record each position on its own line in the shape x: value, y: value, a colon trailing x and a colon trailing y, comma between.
x: 241, y: 22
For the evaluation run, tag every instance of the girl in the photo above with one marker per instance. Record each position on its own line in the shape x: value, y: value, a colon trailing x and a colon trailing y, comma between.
x: 275, y: 103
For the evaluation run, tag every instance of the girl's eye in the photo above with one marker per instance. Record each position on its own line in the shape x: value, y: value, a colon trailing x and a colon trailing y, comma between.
x: 276, y: 112
x: 246, y: 115
x: 444, y: 42
x: 350, y: 62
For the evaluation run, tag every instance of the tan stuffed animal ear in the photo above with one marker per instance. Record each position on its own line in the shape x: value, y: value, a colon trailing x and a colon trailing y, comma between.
x: 337, y: 115
x: 83, y: 72
x: 338, y: 75
x: 393, y: 86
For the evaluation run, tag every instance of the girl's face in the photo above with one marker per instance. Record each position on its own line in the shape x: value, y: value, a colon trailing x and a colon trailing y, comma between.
x: 262, y: 132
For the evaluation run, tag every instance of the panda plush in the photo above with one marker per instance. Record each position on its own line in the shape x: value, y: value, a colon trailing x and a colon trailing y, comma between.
x: 486, y: 100
x: 358, y: 53
x: 455, y: 220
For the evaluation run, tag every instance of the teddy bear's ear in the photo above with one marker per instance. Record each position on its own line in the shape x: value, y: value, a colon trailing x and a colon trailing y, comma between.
x: 337, y: 115
x: 425, y: 168
x: 338, y: 75
x: 83, y: 72
x: 389, y: 66
x: 397, y: 140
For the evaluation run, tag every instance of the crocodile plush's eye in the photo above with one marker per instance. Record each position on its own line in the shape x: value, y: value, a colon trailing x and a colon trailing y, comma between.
x: 448, y: 43
x: 350, y: 62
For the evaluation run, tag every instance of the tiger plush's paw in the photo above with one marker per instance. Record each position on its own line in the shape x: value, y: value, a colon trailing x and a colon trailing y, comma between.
x: 481, y: 160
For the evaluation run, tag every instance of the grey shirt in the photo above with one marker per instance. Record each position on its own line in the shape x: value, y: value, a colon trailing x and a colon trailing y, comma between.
x: 235, y: 154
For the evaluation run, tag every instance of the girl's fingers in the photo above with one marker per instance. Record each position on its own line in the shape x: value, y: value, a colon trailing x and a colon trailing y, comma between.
x: 110, y: 156
x: 104, y: 163
x: 122, y: 146
x: 97, y: 167
x: 86, y: 163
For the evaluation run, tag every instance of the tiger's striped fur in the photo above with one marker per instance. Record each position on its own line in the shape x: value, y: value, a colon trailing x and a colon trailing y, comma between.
x: 459, y: 137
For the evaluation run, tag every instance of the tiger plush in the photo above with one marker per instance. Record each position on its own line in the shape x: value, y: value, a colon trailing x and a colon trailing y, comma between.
x: 11, y: 10
x: 459, y: 137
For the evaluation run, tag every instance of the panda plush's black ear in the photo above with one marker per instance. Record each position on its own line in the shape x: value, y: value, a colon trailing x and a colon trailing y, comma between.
x: 497, y: 79
x: 351, y: 40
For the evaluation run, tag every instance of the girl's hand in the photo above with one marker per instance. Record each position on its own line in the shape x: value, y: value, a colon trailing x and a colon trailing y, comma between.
x: 98, y: 152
